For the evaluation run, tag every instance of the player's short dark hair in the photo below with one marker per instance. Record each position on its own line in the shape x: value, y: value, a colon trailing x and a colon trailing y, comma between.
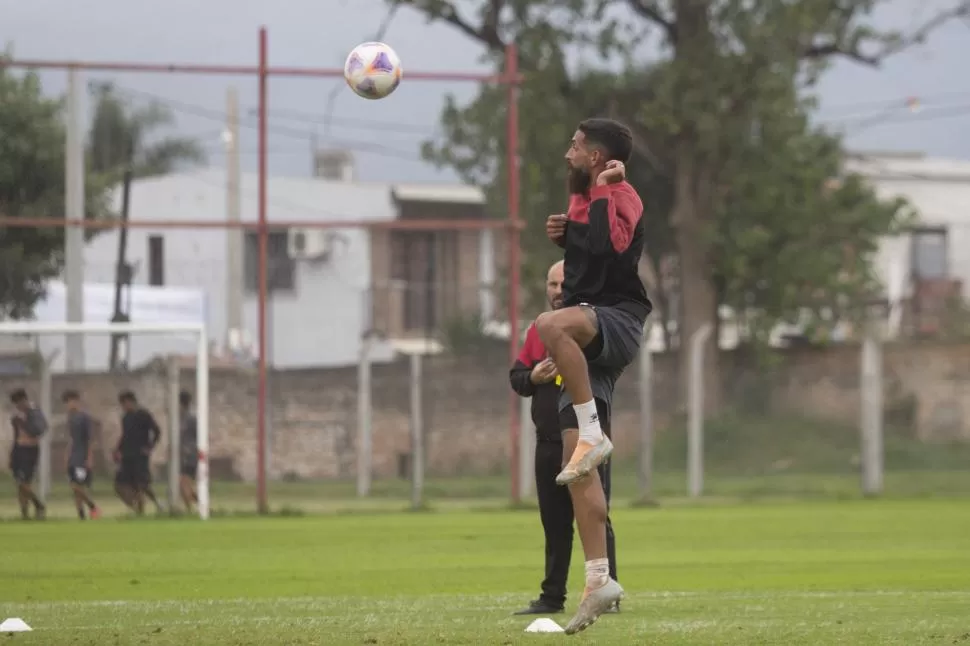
x: 185, y: 399
x: 19, y: 395
x: 614, y: 137
x: 127, y: 396
x: 70, y: 396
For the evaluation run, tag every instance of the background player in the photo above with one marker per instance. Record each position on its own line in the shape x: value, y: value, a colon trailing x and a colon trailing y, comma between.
x: 534, y: 375
x: 139, y: 435
x: 189, y: 448
x: 80, y: 454
x: 597, y: 332
x: 28, y: 425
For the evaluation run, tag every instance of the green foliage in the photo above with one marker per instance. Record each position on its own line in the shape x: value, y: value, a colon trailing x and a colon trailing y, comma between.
x: 733, y: 175
x: 32, y: 164
x: 32, y: 167
x: 119, y: 130
x: 465, y: 335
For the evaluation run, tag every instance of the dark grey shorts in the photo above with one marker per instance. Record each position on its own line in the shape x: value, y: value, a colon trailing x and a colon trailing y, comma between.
x: 620, y: 336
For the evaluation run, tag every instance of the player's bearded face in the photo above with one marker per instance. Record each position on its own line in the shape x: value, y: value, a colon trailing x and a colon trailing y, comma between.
x: 579, y: 178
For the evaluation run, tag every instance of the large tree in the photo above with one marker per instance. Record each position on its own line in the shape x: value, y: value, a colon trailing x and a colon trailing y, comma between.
x: 722, y: 117
x: 32, y: 185
x: 120, y: 130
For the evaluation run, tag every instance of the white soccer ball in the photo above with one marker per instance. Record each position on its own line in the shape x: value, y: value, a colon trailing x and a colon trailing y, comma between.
x: 373, y: 70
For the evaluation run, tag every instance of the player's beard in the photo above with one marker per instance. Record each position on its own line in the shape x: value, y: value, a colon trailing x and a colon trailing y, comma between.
x: 578, y: 180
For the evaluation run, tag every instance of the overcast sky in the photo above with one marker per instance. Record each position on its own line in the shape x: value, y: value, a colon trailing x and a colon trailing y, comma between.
x: 321, y: 32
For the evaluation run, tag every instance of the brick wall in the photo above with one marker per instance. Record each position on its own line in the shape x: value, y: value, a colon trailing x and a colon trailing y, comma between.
x: 314, y: 412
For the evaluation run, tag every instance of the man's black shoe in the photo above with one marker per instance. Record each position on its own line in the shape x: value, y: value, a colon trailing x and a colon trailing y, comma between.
x: 539, y: 607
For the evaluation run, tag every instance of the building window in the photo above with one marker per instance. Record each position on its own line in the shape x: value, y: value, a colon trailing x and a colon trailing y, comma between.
x: 929, y: 253
x: 156, y: 261
x: 414, y: 267
x: 280, y: 268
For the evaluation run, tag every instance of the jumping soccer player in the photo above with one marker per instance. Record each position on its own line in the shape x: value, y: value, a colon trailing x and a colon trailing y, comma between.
x: 28, y: 425
x: 597, y: 333
x: 80, y: 454
x: 189, y: 447
x: 139, y: 435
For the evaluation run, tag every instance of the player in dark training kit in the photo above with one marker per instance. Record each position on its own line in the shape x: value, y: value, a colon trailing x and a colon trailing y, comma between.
x: 28, y: 425
x: 598, y: 331
x: 139, y: 435
x: 80, y: 454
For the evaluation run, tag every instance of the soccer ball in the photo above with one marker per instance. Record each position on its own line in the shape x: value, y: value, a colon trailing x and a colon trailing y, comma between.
x: 373, y: 70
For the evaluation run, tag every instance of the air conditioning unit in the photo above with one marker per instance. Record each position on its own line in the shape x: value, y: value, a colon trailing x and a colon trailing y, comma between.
x: 308, y: 244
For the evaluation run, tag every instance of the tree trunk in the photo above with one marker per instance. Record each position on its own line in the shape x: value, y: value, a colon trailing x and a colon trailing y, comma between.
x: 692, y: 219
x: 694, y: 193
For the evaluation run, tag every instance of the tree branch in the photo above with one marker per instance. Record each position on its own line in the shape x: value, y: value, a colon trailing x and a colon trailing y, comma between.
x: 649, y: 10
x: 493, y: 14
x: 486, y: 33
x: 891, y: 46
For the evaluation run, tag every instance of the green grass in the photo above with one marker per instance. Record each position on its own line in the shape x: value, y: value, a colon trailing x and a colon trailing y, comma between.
x: 492, y: 492
x: 809, y: 573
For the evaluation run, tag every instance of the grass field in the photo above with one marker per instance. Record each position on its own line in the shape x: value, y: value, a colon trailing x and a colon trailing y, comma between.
x: 812, y: 573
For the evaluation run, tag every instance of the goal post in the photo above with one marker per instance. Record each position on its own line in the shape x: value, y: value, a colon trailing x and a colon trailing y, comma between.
x: 197, y: 330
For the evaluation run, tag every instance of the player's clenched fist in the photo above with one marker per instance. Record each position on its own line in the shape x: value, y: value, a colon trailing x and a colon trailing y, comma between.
x: 556, y: 228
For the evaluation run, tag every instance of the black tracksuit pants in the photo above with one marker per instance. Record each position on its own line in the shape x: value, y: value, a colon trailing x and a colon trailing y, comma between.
x: 556, y: 512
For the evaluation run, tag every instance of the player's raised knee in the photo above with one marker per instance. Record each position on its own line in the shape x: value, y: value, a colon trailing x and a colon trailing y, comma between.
x: 548, y: 326
x: 573, y: 322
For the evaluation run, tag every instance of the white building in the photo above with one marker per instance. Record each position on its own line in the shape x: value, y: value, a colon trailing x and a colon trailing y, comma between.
x: 930, y: 263
x: 327, y: 286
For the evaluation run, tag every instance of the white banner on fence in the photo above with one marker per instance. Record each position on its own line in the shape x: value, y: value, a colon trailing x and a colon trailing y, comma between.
x: 147, y: 305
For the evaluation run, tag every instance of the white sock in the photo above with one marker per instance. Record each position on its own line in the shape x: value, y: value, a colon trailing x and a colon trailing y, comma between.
x: 589, y: 422
x: 597, y: 573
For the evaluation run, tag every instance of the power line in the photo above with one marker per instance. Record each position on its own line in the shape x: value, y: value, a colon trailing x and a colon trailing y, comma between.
x: 296, y: 133
x: 285, y: 204
x: 893, y: 118
x: 362, y: 124
x: 900, y: 100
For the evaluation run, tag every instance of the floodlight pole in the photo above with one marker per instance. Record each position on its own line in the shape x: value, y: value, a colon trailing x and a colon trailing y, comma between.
x: 46, y: 402
x: 202, y: 417
x: 262, y: 235
x: 512, y: 163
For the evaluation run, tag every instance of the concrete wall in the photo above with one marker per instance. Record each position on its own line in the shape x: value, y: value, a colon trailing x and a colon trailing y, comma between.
x: 314, y: 411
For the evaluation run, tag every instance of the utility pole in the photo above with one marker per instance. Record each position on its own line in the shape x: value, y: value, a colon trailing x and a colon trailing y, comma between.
x: 234, y: 235
x: 74, y: 208
x: 123, y: 271
x: 314, y: 150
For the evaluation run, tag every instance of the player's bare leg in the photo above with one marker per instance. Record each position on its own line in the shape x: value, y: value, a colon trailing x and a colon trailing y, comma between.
x: 601, y: 593
x: 24, y: 502
x: 128, y: 496
x: 565, y: 333
x: 26, y: 496
x: 148, y: 492
x: 83, y: 501
x: 187, y: 489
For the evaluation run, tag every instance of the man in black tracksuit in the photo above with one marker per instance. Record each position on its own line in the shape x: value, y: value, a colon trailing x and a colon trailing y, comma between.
x: 534, y: 375
x: 139, y: 436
